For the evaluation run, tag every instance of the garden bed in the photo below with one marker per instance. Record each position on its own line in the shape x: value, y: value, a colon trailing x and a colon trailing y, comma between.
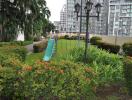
x: 65, y: 76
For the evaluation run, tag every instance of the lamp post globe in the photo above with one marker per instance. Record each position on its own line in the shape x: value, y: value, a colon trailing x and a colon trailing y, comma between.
x: 11, y: 1
x: 88, y: 6
x: 77, y: 7
x: 98, y: 7
x: 98, y: 10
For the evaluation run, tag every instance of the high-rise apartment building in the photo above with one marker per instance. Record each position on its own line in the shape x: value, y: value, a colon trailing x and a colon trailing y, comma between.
x: 101, y: 26
x: 120, y: 17
x: 63, y: 19
x: 71, y: 16
x: 96, y: 27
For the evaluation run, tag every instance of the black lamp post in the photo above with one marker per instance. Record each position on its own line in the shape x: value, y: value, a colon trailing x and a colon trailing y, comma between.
x: 88, y: 8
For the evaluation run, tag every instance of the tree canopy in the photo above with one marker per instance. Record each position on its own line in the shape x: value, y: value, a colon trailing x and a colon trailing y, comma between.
x: 29, y: 16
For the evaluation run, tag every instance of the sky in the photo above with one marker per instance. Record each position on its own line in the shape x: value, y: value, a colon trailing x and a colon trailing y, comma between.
x: 55, y: 7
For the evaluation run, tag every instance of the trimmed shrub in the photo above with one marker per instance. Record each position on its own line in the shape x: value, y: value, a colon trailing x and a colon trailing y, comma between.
x: 36, y: 39
x: 108, y: 47
x: 16, y: 51
x: 39, y: 47
x: 16, y: 43
x: 127, y: 49
x: 66, y: 37
x: 94, y: 40
x: 128, y: 73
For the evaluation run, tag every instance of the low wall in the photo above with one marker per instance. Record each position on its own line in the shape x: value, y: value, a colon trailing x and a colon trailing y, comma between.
x: 108, y: 39
x: 114, y: 40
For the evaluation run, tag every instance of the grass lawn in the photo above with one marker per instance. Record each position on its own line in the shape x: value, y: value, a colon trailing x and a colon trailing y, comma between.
x: 30, y: 59
x: 65, y: 45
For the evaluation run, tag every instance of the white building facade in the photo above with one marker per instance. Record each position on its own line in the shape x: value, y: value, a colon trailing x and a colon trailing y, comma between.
x: 70, y: 17
x: 95, y: 27
x: 120, y: 17
x: 63, y: 15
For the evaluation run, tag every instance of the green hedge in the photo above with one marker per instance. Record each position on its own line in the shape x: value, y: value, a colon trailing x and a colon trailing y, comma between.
x: 94, y: 40
x: 127, y: 49
x: 128, y: 73
x: 108, y: 47
x: 16, y: 43
x: 39, y: 47
x: 68, y: 37
x: 14, y: 51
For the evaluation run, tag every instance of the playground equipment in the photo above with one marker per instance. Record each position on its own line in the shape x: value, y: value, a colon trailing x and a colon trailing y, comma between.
x: 49, y: 50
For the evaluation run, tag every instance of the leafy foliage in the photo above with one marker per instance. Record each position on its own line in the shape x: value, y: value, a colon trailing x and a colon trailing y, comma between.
x: 108, y: 67
x: 30, y: 16
x: 128, y: 73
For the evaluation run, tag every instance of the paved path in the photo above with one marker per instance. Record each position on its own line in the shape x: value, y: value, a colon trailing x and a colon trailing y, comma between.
x: 29, y: 48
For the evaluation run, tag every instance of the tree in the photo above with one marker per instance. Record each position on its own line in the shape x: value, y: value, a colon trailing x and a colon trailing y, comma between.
x: 9, y: 19
x: 24, y: 14
x: 48, y: 28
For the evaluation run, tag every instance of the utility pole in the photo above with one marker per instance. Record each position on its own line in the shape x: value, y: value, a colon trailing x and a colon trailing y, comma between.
x: 80, y: 25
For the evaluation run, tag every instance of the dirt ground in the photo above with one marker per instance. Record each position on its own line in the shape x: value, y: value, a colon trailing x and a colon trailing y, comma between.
x: 113, y: 92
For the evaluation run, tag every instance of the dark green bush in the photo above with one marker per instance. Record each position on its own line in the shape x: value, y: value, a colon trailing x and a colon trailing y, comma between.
x: 36, y: 39
x: 127, y: 49
x: 128, y: 73
x: 94, y: 40
x: 108, y: 47
x: 39, y: 47
x: 66, y: 37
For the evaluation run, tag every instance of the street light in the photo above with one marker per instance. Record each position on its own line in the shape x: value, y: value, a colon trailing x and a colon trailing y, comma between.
x: 77, y: 9
x: 98, y: 9
x: 88, y: 8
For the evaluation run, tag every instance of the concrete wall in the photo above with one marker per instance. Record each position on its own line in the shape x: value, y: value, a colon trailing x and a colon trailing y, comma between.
x: 112, y: 39
x: 108, y: 39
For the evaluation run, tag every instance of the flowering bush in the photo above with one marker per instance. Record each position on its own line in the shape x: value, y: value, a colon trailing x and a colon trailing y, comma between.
x: 64, y: 80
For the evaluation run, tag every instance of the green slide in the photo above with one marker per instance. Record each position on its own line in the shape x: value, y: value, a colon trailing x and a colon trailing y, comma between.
x: 49, y: 50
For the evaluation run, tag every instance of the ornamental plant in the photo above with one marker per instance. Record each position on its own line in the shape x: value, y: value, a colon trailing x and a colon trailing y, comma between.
x: 108, y: 67
x: 63, y: 80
